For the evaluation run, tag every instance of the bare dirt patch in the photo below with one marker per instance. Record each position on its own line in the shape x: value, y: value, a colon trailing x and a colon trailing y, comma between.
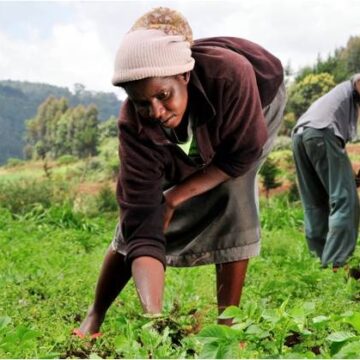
x: 353, y: 149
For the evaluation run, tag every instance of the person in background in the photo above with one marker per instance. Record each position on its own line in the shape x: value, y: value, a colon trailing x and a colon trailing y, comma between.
x: 325, y: 175
x: 199, y: 120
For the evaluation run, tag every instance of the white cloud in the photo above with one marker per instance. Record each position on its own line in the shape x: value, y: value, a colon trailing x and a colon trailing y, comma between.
x: 73, y: 53
x: 295, y: 31
x: 79, y: 45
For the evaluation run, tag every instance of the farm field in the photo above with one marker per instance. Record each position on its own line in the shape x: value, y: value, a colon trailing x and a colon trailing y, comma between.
x: 50, y: 257
x: 172, y: 98
x: 290, y: 307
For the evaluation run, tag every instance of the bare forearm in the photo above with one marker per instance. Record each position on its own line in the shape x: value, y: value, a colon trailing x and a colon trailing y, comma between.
x: 198, y: 183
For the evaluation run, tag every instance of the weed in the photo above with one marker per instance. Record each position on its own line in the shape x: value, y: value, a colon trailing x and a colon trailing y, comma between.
x: 106, y: 200
x: 24, y: 195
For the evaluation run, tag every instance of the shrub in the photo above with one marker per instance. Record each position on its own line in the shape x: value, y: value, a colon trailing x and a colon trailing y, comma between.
x: 88, y: 166
x: 89, y: 169
x: 282, y: 143
x: 304, y: 92
x: 279, y: 213
x: 289, y: 122
x: 106, y: 200
x: 13, y: 162
x: 94, y: 164
x: 112, y: 167
x: 23, y: 195
x: 67, y: 159
x: 269, y: 172
x: 293, y: 194
x: 86, y: 204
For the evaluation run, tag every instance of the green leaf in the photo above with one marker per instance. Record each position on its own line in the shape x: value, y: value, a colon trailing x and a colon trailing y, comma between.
x: 347, y: 313
x: 354, y: 320
x: 349, y: 351
x: 228, y: 351
x: 254, y: 330
x: 306, y: 332
x: 94, y: 356
x: 242, y: 325
x: 231, y: 312
x: 320, y: 319
x: 209, y: 350
x: 215, y: 332
x: 309, y: 307
x: 211, y: 332
x: 340, y: 336
x: 271, y: 316
x: 257, y: 332
x: 4, y: 321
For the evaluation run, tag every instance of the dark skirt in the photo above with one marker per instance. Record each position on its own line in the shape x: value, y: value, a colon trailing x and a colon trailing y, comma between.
x: 221, y: 225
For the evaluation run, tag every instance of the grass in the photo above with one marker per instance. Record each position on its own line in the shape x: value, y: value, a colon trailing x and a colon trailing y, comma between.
x: 48, y: 273
x: 49, y: 265
x: 50, y: 258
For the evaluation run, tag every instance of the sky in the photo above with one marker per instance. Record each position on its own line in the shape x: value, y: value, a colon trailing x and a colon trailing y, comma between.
x: 67, y: 42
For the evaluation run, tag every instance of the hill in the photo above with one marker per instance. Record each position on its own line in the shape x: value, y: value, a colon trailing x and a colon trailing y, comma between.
x: 19, y: 101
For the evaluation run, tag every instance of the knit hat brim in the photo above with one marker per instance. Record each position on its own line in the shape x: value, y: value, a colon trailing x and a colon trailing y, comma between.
x: 151, y: 53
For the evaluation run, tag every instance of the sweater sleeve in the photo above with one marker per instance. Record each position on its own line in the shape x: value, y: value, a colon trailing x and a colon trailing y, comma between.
x: 243, y: 130
x: 140, y: 197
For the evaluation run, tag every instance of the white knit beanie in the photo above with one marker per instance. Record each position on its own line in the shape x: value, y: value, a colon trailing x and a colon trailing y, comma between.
x: 355, y: 78
x: 156, y: 46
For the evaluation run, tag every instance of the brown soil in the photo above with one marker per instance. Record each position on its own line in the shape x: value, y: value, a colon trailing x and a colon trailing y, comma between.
x: 353, y: 149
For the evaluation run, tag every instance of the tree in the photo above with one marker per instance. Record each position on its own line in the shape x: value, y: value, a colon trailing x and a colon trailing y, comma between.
x: 334, y: 65
x: 57, y: 130
x: 41, y: 130
x: 303, y: 93
x: 20, y: 100
x: 79, y: 89
x: 269, y: 171
x: 352, y: 55
x: 289, y: 121
x: 84, y: 130
x: 62, y: 142
x: 108, y: 128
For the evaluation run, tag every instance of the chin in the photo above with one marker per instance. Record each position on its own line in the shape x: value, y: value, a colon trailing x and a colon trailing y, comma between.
x: 173, y: 123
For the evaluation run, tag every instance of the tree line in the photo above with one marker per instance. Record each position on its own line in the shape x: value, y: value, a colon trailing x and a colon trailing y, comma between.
x: 58, y: 129
x: 311, y: 82
x: 20, y: 100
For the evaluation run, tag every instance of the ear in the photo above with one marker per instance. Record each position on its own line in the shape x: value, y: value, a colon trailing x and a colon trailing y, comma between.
x: 185, y: 77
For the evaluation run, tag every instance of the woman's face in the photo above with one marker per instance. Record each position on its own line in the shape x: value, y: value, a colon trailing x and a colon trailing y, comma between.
x: 162, y: 99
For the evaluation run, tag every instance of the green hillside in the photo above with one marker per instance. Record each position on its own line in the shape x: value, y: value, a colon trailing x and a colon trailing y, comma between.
x: 20, y: 100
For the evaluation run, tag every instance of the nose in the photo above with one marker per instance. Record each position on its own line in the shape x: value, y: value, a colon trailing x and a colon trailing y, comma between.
x: 156, y: 110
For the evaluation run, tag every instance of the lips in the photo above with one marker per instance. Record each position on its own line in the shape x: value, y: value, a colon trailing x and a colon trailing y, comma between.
x: 169, y: 118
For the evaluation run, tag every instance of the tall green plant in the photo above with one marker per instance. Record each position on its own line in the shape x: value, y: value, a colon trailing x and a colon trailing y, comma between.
x: 269, y: 172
